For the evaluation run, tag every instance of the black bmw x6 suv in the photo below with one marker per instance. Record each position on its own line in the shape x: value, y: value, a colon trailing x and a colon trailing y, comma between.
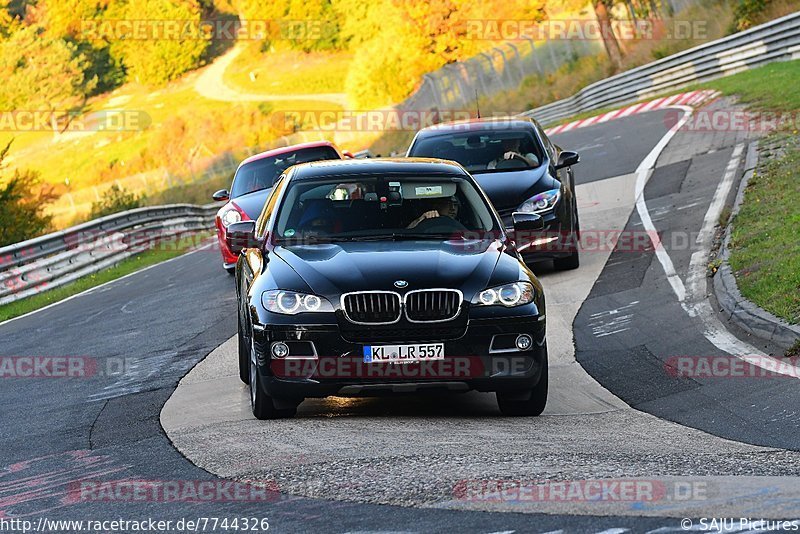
x: 369, y: 277
x: 521, y: 170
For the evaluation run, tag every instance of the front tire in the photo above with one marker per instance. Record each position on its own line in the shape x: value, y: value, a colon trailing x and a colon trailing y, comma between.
x: 573, y: 261
x: 243, y: 346
x: 262, y: 405
x: 516, y: 405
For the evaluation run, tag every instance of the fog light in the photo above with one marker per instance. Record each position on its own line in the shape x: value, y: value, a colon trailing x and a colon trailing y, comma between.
x: 524, y: 342
x: 280, y: 350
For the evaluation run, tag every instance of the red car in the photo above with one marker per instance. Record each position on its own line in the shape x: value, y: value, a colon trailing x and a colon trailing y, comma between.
x: 252, y: 185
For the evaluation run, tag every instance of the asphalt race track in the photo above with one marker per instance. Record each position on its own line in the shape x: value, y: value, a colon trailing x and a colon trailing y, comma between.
x: 402, y: 464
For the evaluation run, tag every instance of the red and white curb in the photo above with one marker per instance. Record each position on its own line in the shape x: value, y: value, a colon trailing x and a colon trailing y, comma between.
x: 692, y: 99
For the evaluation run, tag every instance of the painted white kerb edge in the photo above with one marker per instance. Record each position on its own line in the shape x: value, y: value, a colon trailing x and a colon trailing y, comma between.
x: 643, y: 172
x: 696, y: 302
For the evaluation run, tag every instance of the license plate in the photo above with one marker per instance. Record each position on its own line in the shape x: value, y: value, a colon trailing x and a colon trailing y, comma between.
x: 403, y: 353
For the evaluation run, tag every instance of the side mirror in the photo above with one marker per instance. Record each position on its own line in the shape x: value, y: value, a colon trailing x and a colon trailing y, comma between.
x: 567, y: 158
x: 221, y: 196
x: 348, y: 154
x: 525, y: 222
x: 241, y: 235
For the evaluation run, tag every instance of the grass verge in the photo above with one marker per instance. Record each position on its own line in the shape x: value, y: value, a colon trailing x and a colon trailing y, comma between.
x: 764, y: 88
x: 765, y: 240
x: 299, y: 72
x: 126, y: 266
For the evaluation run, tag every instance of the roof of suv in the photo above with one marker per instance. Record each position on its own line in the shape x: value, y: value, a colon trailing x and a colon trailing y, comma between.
x: 378, y: 166
x: 478, y: 125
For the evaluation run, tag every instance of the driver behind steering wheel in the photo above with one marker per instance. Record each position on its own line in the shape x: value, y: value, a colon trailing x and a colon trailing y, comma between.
x: 441, y: 207
x: 512, y: 150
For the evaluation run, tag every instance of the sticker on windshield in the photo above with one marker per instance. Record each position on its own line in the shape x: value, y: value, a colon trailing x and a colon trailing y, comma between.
x: 288, y: 233
x: 429, y: 191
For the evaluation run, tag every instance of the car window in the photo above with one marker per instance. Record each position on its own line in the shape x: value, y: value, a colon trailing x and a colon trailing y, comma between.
x: 262, y: 173
x: 266, y: 213
x: 548, y: 144
x: 483, y: 151
x: 382, y: 208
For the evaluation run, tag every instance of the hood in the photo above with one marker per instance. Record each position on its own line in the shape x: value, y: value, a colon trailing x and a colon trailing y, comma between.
x: 509, y: 189
x: 333, y: 269
x: 253, y: 203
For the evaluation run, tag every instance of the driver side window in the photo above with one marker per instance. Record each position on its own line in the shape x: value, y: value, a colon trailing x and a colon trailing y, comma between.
x: 269, y: 207
x: 548, y: 144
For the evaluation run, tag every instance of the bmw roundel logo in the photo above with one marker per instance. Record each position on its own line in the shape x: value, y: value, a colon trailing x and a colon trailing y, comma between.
x: 400, y: 284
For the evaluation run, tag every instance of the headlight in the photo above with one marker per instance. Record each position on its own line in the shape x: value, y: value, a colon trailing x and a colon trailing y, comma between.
x: 509, y: 295
x: 230, y: 216
x: 291, y: 303
x: 541, y: 202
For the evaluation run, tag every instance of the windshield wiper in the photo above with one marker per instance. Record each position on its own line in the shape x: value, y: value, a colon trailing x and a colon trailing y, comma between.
x: 424, y: 235
x: 360, y: 238
x: 396, y: 236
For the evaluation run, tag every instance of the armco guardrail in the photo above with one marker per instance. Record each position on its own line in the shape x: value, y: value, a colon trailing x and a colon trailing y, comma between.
x: 45, y: 262
x: 778, y: 40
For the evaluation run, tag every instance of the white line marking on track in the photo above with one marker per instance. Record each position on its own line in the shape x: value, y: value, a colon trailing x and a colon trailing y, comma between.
x: 696, y: 277
x: 697, y: 303
x: 606, y: 323
x: 95, y: 288
x: 615, y: 310
x: 687, y: 206
x: 643, y: 172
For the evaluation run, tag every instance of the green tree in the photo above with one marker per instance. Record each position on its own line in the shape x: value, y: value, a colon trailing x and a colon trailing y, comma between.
x: 602, y: 11
x: 74, y: 20
x: 5, y: 23
x: 745, y: 13
x: 156, y: 61
x: 66, y: 18
x: 114, y: 200
x: 22, y: 202
x: 295, y: 24
x: 42, y: 73
x: 397, y: 42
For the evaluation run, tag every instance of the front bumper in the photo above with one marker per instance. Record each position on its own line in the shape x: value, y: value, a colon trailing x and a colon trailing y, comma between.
x: 335, y: 365
x: 557, y: 240
x: 228, y: 257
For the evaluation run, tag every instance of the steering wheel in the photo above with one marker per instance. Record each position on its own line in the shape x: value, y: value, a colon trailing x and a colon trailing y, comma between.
x: 440, y: 225
x: 516, y: 162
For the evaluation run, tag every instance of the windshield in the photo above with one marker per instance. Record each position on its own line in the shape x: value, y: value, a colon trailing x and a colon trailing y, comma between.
x: 486, y: 151
x: 262, y: 173
x: 382, y: 208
